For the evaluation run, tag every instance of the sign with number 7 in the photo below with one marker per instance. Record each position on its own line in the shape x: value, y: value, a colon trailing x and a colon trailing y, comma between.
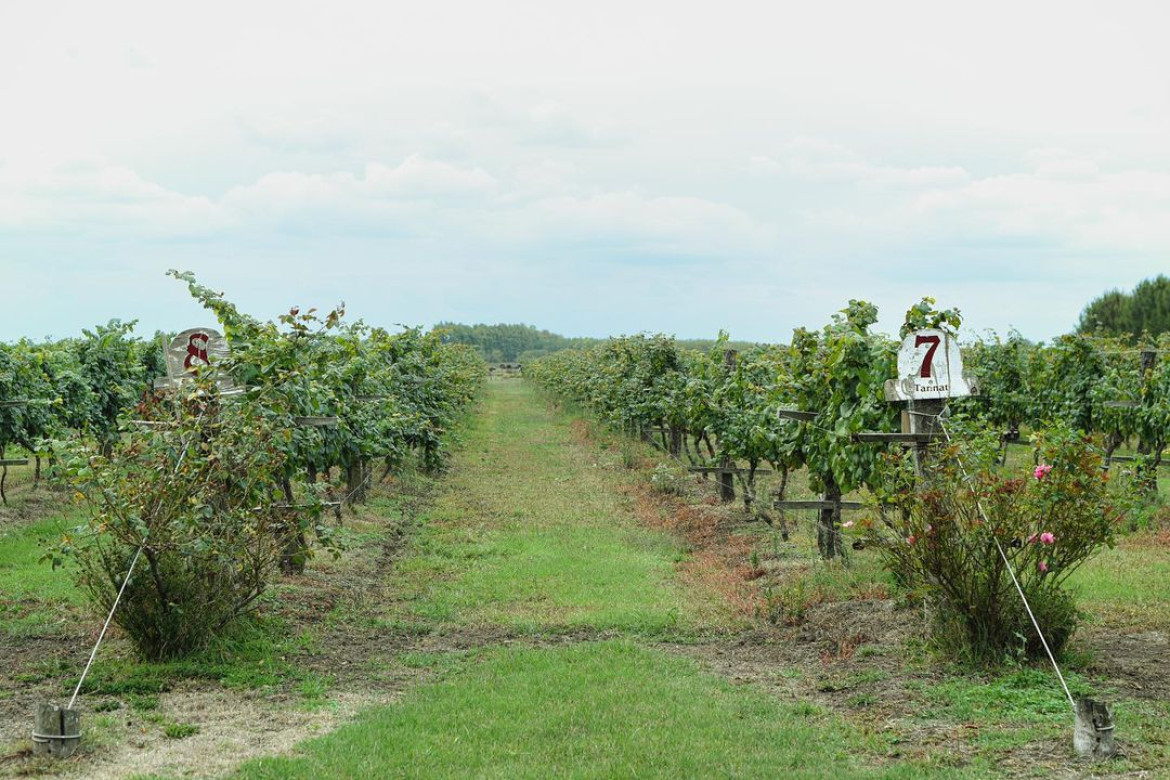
x: 930, y: 365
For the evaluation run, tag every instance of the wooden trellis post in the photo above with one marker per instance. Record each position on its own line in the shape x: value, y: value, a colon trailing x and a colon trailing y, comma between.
x: 1147, y: 478
x: 829, y: 506
x: 6, y: 462
x: 727, y: 472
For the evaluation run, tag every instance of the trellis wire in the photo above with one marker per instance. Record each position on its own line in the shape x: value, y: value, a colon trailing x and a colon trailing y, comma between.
x: 110, y: 617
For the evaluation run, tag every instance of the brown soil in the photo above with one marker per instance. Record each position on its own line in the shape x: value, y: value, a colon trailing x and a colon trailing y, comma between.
x: 1135, y: 664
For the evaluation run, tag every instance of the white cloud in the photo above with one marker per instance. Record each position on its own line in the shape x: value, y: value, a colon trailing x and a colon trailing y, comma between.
x: 1066, y: 201
x: 540, y: 209
x: 417, y: 177
x: 99, y: 198
x: 300, y: 131
x: 545, y: 178
x: 137, y: 59
x: 816, y: 160
x: 395, y: 200
x: 552, y: 123
x: 632, y: 226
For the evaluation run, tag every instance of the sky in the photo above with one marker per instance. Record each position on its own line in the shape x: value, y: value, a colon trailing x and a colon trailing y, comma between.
x: 590, y: 168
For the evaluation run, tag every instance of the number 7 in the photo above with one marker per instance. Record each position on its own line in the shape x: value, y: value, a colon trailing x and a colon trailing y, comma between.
x: 926, y: 370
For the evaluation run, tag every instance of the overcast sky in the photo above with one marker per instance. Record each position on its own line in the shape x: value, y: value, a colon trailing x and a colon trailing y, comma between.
x: 588, y: 167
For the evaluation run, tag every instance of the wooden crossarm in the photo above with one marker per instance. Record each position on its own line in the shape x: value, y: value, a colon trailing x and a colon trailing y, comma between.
x: 814, y: 504
x: 903, y: 438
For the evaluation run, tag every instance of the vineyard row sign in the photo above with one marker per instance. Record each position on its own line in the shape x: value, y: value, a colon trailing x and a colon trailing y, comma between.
x: 189, y: 352
x: 930, y: 366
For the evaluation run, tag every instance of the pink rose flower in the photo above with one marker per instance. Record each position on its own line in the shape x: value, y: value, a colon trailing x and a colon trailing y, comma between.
x: 1032, y: 539
x: 910, y: 540
x: 1048, y: 538
x: 1042, y: 566
x: 1041, y: 471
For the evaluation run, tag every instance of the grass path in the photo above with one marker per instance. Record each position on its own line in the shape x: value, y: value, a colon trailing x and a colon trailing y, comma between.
x: 532, y: 535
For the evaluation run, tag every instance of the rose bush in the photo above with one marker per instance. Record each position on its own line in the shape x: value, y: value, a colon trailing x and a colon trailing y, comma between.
x: 946, y: 542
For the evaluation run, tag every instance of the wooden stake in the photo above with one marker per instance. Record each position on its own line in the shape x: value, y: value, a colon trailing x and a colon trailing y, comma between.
x: 796, y: 414
x: 1093, y: 733
x: 56, y: 731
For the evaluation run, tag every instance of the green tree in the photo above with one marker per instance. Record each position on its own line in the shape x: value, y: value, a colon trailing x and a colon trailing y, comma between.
x: 1145, y: 310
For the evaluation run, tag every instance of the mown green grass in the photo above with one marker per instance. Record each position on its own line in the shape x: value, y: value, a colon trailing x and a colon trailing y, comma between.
x: 33, y: 596
x: 534, y: 533
x: 1129, y: 583
x: 609, y: 709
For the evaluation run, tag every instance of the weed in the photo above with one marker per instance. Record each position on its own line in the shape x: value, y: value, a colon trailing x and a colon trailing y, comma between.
x: 788, y: 604
x: 143, y: 702
x: 667, y: 481
x: 180, y: 730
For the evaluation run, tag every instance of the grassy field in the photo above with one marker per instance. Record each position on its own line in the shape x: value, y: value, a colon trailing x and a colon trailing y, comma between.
x: 545, y: 610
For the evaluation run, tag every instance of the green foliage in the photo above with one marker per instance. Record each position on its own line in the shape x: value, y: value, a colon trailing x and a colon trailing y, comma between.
x: 114, y: 368
x: 505, y: 343
x: 841, y: 373
x: 722, y: 406
x: 923, y: 316
x: 394, y: 394
x: 74, y: 386
x: 1003, y: 369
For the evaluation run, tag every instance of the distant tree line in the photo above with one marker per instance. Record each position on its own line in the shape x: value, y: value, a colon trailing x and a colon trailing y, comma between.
x: 519, y: 343
x: 1117, y: 313
x: 507, y: 343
